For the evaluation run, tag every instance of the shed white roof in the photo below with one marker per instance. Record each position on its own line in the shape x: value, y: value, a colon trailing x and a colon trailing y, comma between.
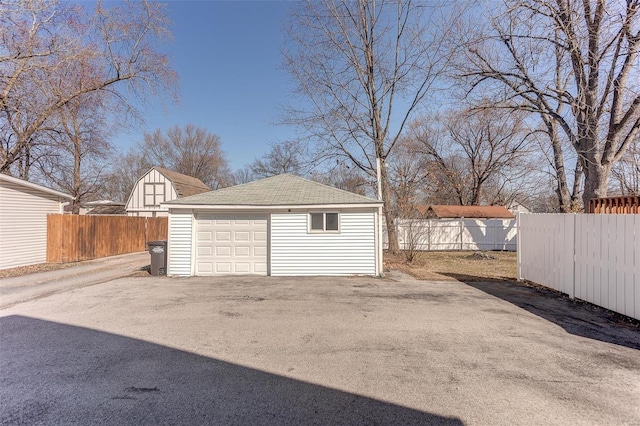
x: 280, y: 190
x: 35, y: 186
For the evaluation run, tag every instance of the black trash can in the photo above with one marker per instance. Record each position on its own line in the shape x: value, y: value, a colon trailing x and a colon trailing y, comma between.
x: 158, y: 251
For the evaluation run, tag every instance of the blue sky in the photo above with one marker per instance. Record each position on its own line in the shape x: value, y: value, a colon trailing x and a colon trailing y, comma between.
x: 227, y: 54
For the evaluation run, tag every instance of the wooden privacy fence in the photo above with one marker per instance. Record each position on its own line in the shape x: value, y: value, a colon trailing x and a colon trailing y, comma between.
x: 615, y: 205
x: 71, y: 238
x: 595, y: 258
x: 456, y: 234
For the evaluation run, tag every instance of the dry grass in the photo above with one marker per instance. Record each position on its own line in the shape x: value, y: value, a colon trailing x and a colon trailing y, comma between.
x: 456, y: 265
x: 32, y: 269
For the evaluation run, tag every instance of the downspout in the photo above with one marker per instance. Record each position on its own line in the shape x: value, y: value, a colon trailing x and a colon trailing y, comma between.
x: 63, y: 205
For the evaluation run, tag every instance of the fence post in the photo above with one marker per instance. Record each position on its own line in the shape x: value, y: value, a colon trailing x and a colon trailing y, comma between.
x: 519, y: 246
x: 461, y: 234
x: 573, y: 258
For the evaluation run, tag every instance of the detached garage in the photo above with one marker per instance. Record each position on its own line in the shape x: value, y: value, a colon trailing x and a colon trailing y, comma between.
x: 24, y: 207
x: 282, y: 226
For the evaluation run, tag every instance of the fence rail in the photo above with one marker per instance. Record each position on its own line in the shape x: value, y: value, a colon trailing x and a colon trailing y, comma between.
x: 595, y: 258
x: 457, y: 234
x: 71, y: 238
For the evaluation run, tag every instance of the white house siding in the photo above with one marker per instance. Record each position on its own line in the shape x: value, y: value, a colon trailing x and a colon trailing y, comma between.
x: 180, y: 243
x: 295, y: 251
x: 135, y: 204
x: 23, y: 224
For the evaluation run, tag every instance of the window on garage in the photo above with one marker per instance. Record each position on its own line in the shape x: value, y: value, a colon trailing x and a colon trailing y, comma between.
x: 324, y: 222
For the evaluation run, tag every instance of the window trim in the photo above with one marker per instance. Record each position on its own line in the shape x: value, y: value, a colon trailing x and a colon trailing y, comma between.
x: 153, y: 193
x: 324, y: 222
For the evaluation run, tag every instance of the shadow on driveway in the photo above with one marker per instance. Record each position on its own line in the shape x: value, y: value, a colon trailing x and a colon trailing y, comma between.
x: 580, y: 319
x: 57, y: 373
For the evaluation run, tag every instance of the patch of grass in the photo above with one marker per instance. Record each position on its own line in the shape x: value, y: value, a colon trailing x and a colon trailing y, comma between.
x: 32, y: 269
x: 456, y: 266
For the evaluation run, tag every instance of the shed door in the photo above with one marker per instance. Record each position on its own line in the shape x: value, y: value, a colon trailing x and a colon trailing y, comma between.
x: 231, y: 244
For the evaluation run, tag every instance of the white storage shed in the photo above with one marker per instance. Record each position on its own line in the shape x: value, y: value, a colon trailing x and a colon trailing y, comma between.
x: 157, y: 186
x: 24, y: 207
x: 281, y: 226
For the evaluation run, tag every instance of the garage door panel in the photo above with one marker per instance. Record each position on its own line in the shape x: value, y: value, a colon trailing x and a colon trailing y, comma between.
x: 231, y: 244
x: 205, y: 250
x: 241, y: 236
x: 223, y: 251
x: 223, y: 236
x: 242, y: 251
x: 242, y: 267
x: 205, y: 236
x: 205, y: 267
x: 223, y: 267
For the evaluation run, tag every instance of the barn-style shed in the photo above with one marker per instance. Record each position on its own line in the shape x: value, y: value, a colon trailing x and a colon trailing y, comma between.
x: 157, y: 186
x: 282, y: 226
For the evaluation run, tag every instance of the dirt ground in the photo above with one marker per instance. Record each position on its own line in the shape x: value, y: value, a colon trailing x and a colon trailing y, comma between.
x: 32, y: 269
x: 457, y: 265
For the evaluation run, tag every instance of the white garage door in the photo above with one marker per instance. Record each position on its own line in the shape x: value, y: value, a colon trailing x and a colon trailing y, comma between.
x: 231, y: 244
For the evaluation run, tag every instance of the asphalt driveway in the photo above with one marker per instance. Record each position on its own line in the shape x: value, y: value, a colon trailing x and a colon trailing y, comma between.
x: 144, y: 350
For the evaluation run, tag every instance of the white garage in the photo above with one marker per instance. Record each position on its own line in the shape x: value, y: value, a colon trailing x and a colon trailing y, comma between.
x: 281, y: 226
x: 24, y: 207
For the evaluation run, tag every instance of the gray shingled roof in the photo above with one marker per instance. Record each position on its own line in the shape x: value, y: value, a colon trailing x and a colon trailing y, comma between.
x: 281, y: 190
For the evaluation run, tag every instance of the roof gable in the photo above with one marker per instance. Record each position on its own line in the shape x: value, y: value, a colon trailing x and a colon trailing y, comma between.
x: 280, y: 190
x: 470, y: 212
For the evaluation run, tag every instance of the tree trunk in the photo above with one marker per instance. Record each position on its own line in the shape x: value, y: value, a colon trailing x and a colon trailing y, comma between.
x: 596, y: 182
x: 77, y: 178
x: 392, y: 234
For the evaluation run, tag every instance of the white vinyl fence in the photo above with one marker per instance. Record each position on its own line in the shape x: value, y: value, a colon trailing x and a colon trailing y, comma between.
x: 457, y: 234
x: 592, y: 257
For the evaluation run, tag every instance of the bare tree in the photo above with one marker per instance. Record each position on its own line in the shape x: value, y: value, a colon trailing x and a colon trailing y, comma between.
x: 42, y: 41
x: 342, y: 176
x: 189, y: 150
x: 409, y: 177
x: 77, y: 161
x: 475, y: 150
x: 575, y: 63
x: 364, y: 67
x: 626, y: 173
x: 125, y: 172
x: 285, y: 157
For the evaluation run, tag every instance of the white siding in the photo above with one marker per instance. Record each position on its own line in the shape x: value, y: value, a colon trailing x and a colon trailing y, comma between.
x: 180, y: 243
x: 295, y: 251
x: 135, y: 204
x: 23, y: 224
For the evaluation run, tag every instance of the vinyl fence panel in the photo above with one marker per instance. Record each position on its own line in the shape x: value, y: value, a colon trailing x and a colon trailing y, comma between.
x: 595, y: 258
x: 457, y: 234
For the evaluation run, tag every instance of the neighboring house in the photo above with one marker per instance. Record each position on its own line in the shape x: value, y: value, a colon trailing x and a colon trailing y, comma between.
x: 111, y: 208
x: 467, y: 212
x: 157, y: 186
x: 24, y: 207
x: 99, y: 207
x: 516, y: 207
x: 281, y: 226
